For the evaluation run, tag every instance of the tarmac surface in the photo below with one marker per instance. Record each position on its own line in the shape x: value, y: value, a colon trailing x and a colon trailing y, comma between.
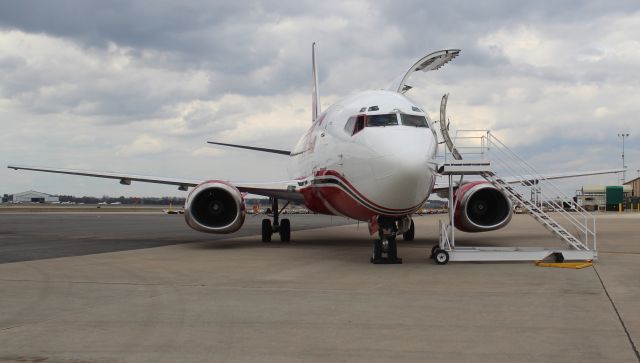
x: 36, y: 236
x: 199, y: 298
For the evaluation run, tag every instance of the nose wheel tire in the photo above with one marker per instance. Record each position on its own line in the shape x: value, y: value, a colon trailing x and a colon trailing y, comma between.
x: 385, y: 251
x: 376, y: 254
x: 410, y: 234
x: 267, y: 231
x: 441, y: 257
x: 285, y: 230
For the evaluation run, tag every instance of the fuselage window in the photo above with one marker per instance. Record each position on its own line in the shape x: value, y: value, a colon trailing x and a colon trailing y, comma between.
x: 382, y: 120
x: 413, y: 120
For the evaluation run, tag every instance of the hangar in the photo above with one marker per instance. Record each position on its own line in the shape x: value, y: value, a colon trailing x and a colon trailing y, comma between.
x: 32, y: 196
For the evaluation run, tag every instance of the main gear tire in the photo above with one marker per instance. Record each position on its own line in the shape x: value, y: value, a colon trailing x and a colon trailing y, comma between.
x: 267, y: 230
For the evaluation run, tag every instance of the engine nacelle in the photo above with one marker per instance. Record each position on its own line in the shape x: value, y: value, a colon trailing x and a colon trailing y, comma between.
x: 481, y: 207
x: 215, y: 207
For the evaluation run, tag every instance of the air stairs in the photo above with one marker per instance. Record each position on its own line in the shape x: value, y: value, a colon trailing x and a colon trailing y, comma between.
x: 480, y: 154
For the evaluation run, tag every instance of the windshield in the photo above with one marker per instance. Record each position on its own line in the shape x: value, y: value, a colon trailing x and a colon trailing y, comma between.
x: 413, y: 120
x: 382, y: 120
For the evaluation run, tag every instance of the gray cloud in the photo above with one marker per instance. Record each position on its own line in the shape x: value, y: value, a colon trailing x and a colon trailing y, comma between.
x: 92, y: 83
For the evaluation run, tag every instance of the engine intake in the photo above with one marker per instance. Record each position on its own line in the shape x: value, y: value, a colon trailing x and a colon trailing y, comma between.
x: 215, y: 207
x: 481, y: 207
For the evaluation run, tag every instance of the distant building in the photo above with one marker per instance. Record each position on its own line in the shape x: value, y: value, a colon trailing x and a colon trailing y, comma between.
x: 34, y: 197
x: 602, y: 197
x: 635, y: 187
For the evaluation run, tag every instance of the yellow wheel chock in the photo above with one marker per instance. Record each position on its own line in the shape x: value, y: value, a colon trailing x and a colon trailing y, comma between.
x: 574, y: 265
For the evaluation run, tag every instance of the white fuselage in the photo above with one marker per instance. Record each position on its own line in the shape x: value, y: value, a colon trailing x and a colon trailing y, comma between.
x: 378, y: 170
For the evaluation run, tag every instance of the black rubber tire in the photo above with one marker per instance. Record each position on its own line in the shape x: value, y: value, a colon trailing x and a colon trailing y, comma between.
x: 441, y: 257
x: 558, y: 257
x: 377, y: 250
x: 410, y: 234
x: 433, y: 250
x: 267, y: 231
x: 285, y: 230
x: 393, y: 249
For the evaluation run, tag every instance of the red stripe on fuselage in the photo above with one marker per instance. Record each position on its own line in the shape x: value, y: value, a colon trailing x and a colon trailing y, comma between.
x: 352, y: 188
x: 367, y: 200
x: 323, y: 199
x: 316, y: 199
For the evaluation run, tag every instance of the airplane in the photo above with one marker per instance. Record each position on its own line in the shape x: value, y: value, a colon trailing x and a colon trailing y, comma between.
x: 370, y: 156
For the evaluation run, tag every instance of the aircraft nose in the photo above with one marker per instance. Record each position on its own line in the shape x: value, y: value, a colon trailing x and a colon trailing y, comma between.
x: 403, y: 151
x: 401, y: 166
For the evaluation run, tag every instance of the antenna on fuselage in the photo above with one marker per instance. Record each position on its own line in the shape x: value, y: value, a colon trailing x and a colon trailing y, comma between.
x: 315, y: 96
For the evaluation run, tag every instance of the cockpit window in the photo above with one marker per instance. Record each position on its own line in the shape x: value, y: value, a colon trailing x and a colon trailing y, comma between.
x: 413, y: 120
x: 348, y: 127
x: 356, y: 123
x: 360, y: 122
x: 382, y: 120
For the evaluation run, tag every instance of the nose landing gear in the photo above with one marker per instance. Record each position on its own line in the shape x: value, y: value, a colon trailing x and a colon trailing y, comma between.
x: 283, y: 228
x: 410, y: 234
x: 385, y: 249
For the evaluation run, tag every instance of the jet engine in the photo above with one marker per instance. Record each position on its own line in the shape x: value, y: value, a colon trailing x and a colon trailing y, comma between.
x: 215, y: 207
x: 481, y: 207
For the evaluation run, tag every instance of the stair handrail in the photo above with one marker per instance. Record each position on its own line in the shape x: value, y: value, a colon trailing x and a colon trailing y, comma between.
x: 583, y: 226
x: 491, y: 146
x: 536, y: 211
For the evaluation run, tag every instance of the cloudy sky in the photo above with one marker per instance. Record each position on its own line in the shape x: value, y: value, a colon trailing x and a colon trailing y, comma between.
x: 139, y: 86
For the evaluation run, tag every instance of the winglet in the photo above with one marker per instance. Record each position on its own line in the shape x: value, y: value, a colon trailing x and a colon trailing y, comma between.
x: 315, y: 96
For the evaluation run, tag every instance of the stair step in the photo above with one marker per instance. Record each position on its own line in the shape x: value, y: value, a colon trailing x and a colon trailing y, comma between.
x: 541, y: 216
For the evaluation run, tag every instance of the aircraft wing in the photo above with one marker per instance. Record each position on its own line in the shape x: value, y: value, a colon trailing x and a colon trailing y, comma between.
x: 285, y: 190
x: 532, y: 179
x: 442, y: 189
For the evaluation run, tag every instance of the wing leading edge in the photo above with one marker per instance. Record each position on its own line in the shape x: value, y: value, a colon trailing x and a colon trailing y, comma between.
x: 442, y: 189
x: 285, y: 190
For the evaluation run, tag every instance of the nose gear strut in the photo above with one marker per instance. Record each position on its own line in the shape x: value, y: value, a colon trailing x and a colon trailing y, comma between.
x: 385, y: 249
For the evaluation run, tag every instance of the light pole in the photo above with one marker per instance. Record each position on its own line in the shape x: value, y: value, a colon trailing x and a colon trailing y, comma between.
x: 624, y: 168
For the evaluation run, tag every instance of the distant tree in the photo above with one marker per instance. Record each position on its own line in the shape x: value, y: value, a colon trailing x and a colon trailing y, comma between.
x: 105, y: 198
x: 66, y: 198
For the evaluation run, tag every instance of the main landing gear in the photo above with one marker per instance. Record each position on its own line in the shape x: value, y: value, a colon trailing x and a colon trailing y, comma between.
x: 281, y: 227
x: 385, y: 249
